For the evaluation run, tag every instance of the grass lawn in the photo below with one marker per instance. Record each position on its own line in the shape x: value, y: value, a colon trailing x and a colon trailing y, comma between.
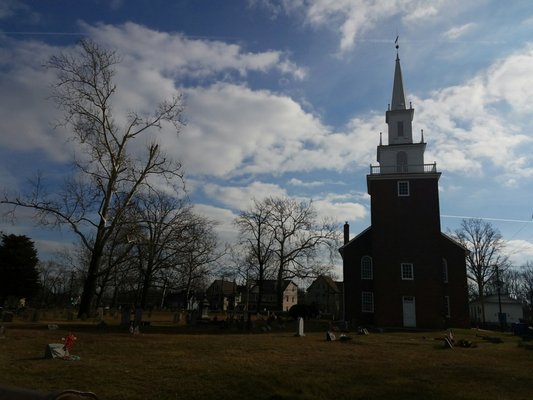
x: 209, y: 363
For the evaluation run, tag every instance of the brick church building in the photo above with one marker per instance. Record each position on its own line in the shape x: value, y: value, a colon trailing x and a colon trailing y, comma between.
x: 402, y: 271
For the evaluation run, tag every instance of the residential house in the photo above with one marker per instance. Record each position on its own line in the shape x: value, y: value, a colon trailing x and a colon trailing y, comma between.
x: 270, y: 295
x: 327, y: 295
x: 402, y: 271
x: 512, y: 310
x: 223, y: 295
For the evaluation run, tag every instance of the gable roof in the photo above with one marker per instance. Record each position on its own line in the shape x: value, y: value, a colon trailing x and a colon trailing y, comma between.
x: 455, y: 242
x: 334, y: 286
x: 271, y: 285
x: 354, y: 239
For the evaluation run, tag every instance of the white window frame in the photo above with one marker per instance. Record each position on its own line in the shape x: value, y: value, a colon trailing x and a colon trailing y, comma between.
x: 403, y: 189
x: 367, y: 268
x: 367, y: 302
x: 407, y: 271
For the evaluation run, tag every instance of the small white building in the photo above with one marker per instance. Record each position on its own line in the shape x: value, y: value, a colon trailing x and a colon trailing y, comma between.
x: 511, y: 308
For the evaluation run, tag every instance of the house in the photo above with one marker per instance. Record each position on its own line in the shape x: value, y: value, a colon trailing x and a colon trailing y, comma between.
x: 223, y: 295
x: 326, y: 294
x: 512, y: 310
x: 270, y: 295
x: 402, y: 271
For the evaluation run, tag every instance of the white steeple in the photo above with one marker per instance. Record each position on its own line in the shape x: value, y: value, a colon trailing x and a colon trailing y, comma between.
x: 400, y: 155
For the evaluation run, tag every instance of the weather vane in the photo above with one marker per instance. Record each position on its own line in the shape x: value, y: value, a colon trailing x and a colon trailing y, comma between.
x: 396, y: 42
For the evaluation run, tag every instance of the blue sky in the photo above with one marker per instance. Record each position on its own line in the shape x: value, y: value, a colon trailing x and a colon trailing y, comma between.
x: 289, y: 97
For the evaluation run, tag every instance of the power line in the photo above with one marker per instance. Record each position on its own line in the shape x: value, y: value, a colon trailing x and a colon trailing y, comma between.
x: 488, y: 219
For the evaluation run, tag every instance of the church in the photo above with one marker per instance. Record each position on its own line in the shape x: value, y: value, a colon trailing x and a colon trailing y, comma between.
x: 402, y: 271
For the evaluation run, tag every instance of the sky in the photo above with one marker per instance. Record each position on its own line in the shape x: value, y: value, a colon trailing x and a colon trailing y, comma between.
x: 288, y: 98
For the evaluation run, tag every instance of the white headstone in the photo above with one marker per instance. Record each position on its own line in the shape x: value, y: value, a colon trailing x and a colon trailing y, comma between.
x: 301, y: 327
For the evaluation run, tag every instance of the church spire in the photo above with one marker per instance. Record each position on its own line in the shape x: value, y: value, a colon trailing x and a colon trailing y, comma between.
x: 398, y: 95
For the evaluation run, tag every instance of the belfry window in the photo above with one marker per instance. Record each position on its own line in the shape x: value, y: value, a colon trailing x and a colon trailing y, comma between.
x: 401, y: 161
x: 400, y: 128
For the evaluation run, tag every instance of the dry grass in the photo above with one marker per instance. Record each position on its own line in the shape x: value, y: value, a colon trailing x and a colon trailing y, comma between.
x: 209, y: 363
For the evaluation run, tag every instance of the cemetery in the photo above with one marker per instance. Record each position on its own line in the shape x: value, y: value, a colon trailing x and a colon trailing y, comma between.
x: 171, y: 356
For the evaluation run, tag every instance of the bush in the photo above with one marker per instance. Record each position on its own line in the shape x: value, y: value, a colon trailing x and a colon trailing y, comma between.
x: 304, y: 311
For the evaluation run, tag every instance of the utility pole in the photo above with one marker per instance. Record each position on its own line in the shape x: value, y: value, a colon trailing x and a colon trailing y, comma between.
x: 501, y: 317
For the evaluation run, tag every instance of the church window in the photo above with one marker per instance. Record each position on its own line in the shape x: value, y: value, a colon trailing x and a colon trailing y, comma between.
x: 400, y: 128
x: 366, y: 268
x: 403, y: 188
x: 407, y: 271
x: 367, y: 302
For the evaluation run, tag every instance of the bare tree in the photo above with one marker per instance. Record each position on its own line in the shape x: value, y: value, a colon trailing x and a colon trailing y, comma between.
x: 258, y: 242
x: 485, y: 253
x: 527, y: 283
x: 200, y: 253
x: 291, y: 239
x: 164, y: 228
x: 107, y: 173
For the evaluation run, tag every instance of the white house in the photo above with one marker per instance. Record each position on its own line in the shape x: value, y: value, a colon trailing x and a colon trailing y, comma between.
x: 512, y: 309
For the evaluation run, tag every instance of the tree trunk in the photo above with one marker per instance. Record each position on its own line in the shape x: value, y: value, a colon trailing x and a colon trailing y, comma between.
x: 279, y: 289
x: 89, y: 287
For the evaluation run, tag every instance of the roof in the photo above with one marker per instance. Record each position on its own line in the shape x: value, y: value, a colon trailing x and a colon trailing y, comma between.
x: 493, y: 298
x: 222, y: 286
x: 334, y: 286
x: 354, y: 239
x: 271, y: 285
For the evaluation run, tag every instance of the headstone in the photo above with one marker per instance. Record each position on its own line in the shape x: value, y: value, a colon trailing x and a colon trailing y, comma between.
x: 177, y: 317
x: 205, y: 309
x: 300, y: 327
x: 330, y: 336
x: 100, y: 312
x: 35, y: 316
x: 55, y: 350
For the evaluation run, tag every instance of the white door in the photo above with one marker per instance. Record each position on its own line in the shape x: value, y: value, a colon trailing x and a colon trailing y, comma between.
x: 409, y: 312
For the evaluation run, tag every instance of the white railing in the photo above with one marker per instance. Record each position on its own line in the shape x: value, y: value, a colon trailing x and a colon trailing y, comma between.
x: 403, y: 169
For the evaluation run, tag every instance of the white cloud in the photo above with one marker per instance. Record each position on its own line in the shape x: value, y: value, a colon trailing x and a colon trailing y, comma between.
x: 240, y: 197
x: 223, y: 219
x: 458, y: 31
x: 299, y: 182
x: 519, y: 251
x: 173, y: 54
x: 353, y: 18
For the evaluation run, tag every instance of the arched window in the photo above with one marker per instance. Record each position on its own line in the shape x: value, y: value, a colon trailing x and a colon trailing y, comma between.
x: 401, y: 161
x: 366, y: 268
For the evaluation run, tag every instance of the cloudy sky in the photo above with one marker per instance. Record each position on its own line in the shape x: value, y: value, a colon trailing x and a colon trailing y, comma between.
x: 288, y: 97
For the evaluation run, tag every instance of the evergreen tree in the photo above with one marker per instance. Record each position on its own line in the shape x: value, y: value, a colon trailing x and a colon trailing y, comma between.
x: 19, y: 276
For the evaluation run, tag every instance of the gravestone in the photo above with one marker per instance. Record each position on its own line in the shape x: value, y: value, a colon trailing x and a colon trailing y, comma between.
x: 300, y: 327
x: 100, y: 312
